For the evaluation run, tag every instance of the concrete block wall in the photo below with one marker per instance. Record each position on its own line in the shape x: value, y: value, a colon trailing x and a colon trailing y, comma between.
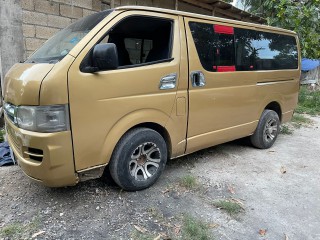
x: 41, y: 19
x: 11, y: 40
x: 35, y: 21
x: 26, y: 24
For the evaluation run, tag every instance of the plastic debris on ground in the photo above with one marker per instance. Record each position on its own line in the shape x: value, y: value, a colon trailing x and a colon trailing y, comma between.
x: 6, y: 156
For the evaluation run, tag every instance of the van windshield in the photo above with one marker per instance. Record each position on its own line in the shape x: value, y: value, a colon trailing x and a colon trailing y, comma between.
x: 57, y: 47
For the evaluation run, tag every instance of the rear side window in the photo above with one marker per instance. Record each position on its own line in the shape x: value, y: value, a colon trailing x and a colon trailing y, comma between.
x: 257, y: 50
x: 223, y: 48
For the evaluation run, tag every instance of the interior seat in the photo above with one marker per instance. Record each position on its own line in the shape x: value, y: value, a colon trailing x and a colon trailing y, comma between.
x: 123, y: 54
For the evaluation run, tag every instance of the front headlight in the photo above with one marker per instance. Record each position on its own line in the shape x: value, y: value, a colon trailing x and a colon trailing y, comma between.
x: 53, y: 118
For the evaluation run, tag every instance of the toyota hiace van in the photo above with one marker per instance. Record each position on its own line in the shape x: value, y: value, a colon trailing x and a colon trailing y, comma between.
x: 134, y: 86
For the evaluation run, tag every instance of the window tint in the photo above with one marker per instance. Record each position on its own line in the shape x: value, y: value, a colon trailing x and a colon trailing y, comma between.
x: 275, y: 51
x: 203, y: 38
x: 245, y: 52
x: 214, y: 49
x: 256, y: 50
x: 246, y: 49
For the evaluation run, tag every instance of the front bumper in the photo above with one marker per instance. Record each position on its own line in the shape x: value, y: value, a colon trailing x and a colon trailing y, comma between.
x: 44, y: 157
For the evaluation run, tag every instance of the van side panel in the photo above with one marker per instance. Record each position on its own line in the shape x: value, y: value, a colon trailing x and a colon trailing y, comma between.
x: 281, y: 86
x: 229, y: 105
x: 106, y: 104
x: 224, y: 108
x: 281, y: 90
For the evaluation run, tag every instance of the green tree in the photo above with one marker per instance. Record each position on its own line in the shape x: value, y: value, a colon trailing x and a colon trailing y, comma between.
x: 302, y: 17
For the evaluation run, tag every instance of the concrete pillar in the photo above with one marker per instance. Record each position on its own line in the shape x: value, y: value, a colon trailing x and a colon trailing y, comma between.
x: 11, y: 37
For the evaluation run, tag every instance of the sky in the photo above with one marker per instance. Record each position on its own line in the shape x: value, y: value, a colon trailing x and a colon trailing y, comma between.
x: 238, y: 4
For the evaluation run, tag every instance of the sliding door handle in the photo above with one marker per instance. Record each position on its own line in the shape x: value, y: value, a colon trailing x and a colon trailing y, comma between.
x: 197, y: 79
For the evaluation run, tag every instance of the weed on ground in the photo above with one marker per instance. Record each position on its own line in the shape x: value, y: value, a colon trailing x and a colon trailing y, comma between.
x: 286, y: 130
x: 195, y: 229
x: 189, y: 182
x: 11, y: 231
x: 19, y: 230
x: 299, y: 120
x: 309, y: 101
x: 230, y: 206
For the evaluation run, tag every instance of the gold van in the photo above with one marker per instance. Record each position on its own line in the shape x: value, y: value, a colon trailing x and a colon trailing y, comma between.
x: 134, y: 86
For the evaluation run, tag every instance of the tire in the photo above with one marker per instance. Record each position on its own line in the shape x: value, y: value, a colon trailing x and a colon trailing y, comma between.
x: 138, y: 159
x: 267, y: 130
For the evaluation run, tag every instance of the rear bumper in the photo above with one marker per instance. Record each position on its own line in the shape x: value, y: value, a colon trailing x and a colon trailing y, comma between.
x: 44, y: 157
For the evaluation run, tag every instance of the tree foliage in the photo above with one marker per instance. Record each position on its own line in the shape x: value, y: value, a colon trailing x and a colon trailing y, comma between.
x: 302, y: 17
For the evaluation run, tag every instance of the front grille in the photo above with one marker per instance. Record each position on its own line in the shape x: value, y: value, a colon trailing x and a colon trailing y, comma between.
x: 14, y: 139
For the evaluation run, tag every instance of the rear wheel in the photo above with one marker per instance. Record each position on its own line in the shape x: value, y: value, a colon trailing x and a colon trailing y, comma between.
x: 138, y: 159
x: 267, y: 130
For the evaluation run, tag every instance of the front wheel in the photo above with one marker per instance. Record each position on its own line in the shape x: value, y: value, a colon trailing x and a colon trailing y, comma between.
x: 138, y: 159
x: 267, y: 130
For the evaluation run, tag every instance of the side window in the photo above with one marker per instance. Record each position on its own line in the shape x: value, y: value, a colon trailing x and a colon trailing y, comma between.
x: 206, y: 45
x: 288, y: 51
x: 257, y: 50
x: 275, y: 51
x: 215, y: 46
x: 222, y: 48
x: 141, y: 39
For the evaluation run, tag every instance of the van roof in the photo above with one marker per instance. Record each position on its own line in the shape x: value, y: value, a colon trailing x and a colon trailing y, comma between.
x: 205, y: 17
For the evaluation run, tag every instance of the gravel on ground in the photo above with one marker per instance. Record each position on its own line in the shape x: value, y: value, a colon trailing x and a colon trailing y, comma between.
x: 278, y: 190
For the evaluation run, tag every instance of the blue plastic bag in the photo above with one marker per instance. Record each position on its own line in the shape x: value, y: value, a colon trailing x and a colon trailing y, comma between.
x: 5, y: 155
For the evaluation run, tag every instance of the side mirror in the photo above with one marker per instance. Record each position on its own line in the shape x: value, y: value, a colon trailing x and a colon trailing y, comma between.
x: 105, y: 56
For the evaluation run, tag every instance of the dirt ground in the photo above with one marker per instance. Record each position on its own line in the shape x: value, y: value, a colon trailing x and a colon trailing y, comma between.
x: 279, y: 189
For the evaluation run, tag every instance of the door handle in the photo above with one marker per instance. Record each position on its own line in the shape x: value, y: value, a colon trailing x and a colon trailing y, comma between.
x: 197, y: 79
x: 168, y: 82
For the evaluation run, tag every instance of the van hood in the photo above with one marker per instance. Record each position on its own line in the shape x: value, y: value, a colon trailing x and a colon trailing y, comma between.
x: 23, y: 81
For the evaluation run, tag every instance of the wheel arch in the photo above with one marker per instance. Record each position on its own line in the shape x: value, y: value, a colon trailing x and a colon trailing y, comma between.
x: 148, y: 118
x: 275, y: 106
